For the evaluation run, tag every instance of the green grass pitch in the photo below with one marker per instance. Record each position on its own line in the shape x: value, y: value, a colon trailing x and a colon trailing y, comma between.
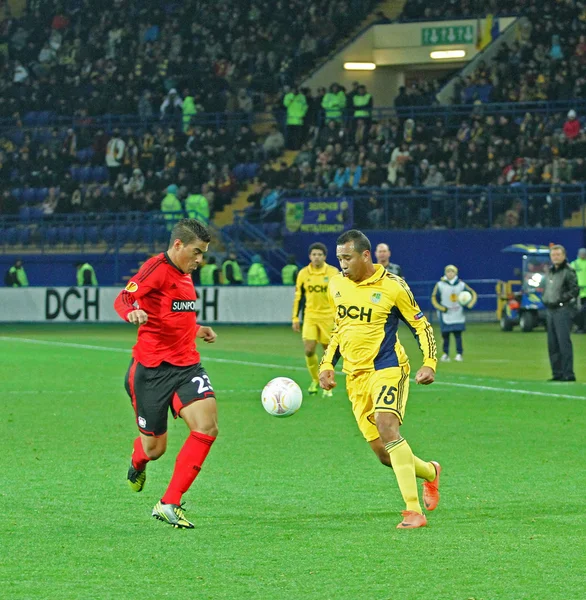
x: 296, y: 508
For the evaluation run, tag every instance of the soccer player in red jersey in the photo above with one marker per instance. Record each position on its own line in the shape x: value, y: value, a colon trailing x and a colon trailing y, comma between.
x: 165, y: 372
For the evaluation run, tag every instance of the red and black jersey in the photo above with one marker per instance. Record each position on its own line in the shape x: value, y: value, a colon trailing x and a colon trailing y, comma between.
x: 168, y: 297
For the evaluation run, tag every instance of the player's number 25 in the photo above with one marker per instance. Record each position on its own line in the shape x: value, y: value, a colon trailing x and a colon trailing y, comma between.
x: 387, y: 395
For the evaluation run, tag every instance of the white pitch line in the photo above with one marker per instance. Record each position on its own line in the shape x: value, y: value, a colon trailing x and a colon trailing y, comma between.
x: 509, y: 390
x: 284, y: 367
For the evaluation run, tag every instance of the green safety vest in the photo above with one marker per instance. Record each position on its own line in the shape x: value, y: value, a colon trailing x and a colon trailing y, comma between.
x: 296, y: 106
x: 170, y: 205
x: 86, y: 267
x: 360, y: 101
x: 257, y: 275
x: 20, y: 276
x: 207, y: 274
x: 235, y: 269
x: 579, y: 265
x: 288, y: 273
x: 189, y: 110
x: 197, y: 207
x: 334, y: 104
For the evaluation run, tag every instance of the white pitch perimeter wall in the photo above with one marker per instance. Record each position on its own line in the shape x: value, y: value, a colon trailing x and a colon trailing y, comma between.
x: 222, y: 304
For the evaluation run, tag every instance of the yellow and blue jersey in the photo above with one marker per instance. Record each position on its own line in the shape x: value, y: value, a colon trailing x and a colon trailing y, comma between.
x: 366, y: 323
x: 311, y: 286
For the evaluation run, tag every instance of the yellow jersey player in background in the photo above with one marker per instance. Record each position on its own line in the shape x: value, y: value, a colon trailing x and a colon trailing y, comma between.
x: 369, y: 304
x: 318, y: 315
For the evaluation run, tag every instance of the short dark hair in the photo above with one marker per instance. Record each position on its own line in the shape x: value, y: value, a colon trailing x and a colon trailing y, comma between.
x: 318, y: 246
x: 188, y: 230
x: 361, y: 242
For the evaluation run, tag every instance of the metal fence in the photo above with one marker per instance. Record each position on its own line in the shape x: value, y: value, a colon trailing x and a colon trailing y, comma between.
x: 461, y: 207
x: 450, y: 115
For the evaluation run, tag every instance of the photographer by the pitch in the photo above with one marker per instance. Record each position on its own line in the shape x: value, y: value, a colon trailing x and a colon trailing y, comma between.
x: 559, y: 296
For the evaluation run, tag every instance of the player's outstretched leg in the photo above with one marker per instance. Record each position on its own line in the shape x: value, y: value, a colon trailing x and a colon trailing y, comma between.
x: 431, y: 495
x: 136, y: 476
x: 201, y: 414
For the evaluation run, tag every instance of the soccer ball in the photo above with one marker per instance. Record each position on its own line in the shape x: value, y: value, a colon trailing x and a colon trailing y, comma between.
x: 281, y: 397
x: 464, y: 297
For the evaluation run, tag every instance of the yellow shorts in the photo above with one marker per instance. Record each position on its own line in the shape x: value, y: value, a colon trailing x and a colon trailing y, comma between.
x: 318, y: 331
x: 377, y: 391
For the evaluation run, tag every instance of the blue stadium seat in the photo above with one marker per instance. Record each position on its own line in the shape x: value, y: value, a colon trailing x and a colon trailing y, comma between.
x: 251, y: 170
x: 41, y: 194
x: 50, y: 235
x: 11, y: 236
x: 122, y: 234
x: 29, y: 195
x: 161, y: 233
x: 24, y: 213
x: 91, y: 234
x: 30, y: 119
x: 109, y: 234
x: 100, y: 173
x: 239, y: 172
x: 36, y: 213
x: 16, y: 193
x: 136, y: 235
x: 24, y: 236
x: 86, y: 174
x: 64, y: 234
x: 44, y: 117
x: 79, y: 234
x: 75, y: 173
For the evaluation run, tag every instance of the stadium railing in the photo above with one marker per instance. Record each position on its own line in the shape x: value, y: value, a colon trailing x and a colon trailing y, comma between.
x: 449, y: 206
x: 451, y: 116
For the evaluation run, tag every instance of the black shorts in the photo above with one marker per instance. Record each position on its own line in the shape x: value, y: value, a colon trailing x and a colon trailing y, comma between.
x: 156, y: 390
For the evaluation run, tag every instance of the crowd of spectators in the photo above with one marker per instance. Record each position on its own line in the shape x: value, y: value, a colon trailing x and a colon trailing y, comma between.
x: 125, y: 56
x: 85, y: 170
x: 396, y: 155
x: 546, y: 62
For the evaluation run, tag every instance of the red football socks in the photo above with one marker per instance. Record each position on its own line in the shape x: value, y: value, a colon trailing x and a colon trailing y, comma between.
x: 139, y: 458
x: 187, y: 466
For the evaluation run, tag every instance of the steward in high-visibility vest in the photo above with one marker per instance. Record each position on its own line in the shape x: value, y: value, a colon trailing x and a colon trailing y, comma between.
x: 257, y: 274
x: 362, y: 102
x: 334, y: 103
x: 289, y: 271
x: 231, y: 271
x: 171, y: 207
x: 296, y: 105
x: 209, y: 273
x: 86, y: 276
x: 16, y: 275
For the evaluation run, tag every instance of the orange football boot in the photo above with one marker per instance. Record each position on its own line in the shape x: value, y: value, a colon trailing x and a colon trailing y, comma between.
x: 431, y: 495
x: 412, y: 520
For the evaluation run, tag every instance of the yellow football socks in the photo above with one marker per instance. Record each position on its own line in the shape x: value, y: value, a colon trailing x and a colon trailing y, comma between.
x: 424, y: 470
x: 403, y: 463
x: 312, y: 363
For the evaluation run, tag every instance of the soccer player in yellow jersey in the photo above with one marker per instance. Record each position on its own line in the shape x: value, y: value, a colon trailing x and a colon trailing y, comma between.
x: 369, y: 304
x: 318, y: 315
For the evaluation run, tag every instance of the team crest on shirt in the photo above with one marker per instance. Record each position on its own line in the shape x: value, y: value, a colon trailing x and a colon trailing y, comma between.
x: 375, y: 298
x: 131, y: 287
x: 141, y: 422
x: 326, y: 279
